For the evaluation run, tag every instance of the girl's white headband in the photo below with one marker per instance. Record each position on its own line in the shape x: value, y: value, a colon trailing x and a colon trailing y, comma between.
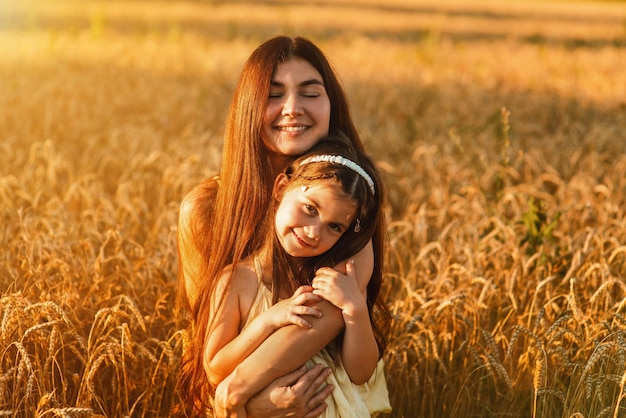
x: 338, y: 159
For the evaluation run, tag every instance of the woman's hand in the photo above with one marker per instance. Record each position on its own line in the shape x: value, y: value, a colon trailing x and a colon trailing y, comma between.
x: 297, y: 394
x: 291, y: 311
x: 342, y: 290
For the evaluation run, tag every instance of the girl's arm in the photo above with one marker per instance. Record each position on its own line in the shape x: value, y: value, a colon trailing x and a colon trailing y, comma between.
x: 226, y: 346
x: 286, y: 349
x: 225, y: 326
x: 355, y: 361
x: 359, y: 350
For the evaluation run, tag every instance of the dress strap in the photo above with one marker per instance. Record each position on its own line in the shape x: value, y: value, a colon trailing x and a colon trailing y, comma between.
x: 258, y: 269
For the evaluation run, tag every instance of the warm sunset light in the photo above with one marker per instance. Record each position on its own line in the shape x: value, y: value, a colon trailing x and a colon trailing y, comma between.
x: 499, y: 131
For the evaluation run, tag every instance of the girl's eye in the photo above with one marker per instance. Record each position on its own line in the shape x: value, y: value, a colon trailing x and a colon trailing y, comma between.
x: 310, y: 209
x: 335, y: 227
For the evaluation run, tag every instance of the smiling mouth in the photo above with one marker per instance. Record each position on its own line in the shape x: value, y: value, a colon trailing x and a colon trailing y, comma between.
x: 300, y: 240
x: 291, y: 129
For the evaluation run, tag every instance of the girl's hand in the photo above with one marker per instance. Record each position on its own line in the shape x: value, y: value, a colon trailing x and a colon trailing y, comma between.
x: 290, y: 311
x: 341, y: 290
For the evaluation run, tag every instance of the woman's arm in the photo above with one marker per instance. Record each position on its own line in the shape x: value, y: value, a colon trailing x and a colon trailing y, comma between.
x: 226, y: 346
x: 287, y: 348
x: 363, y: 265
x: 282, y: 352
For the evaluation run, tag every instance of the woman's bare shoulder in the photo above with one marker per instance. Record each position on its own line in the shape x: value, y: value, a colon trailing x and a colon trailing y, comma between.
x: 194, y: 215
x: 363, y: 265
x: 199, y: 199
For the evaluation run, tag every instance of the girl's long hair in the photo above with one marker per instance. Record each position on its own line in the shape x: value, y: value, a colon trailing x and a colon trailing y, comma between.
x: 228, y: 230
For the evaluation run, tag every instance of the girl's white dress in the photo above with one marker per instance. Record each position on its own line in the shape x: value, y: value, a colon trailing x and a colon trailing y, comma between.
x: 347, y: 399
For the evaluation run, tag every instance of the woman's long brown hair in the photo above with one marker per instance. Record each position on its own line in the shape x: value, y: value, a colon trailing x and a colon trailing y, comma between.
x: 230, y: 227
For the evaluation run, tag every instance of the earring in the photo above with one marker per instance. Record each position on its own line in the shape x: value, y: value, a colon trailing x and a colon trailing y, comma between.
x: 357, y: 226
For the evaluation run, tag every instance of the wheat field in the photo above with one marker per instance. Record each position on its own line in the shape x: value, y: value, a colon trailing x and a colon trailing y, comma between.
x: 499, y: 127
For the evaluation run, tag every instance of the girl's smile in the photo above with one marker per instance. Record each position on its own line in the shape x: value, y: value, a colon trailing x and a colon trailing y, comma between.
x: 301, y: 241
x: 310, y: 221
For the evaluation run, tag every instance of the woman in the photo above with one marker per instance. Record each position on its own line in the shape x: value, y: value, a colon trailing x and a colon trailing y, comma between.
x: 287, y: 98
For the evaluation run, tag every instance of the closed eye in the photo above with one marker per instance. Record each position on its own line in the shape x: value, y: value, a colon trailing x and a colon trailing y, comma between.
x: 313, y: 90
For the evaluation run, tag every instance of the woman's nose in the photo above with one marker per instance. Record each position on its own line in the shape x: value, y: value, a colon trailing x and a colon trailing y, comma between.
x: 292, y: 106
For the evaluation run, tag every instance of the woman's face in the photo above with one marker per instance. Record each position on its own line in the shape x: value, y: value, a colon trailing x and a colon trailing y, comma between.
x: 310, y: 220
x: 298, y: 109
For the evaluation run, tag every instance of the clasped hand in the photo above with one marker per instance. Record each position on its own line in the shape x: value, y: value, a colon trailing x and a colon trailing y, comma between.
x: 291, y: 311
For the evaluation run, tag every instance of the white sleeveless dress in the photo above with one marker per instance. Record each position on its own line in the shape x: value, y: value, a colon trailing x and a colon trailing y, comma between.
x: 347, y: 400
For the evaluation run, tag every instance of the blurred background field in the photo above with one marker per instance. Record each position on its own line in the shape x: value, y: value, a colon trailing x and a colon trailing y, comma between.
x: 499, y: 127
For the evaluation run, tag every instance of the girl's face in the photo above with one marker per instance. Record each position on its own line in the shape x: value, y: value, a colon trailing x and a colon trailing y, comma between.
x: 298, y: 109
x: 309, y: 221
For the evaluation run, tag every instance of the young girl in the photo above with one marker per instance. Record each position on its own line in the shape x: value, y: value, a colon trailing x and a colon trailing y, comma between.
x: 327, y: 205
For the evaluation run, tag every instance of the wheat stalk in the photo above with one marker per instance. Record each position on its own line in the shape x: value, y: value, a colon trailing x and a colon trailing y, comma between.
x: 90, y: 188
